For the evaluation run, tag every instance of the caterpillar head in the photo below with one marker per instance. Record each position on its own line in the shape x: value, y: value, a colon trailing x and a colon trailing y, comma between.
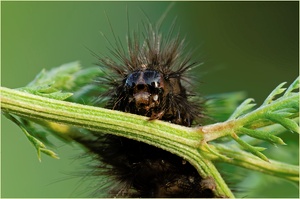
x: 147, y: 79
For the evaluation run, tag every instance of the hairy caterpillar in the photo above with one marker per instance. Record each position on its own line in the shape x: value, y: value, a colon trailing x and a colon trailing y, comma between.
x: 149, y: 79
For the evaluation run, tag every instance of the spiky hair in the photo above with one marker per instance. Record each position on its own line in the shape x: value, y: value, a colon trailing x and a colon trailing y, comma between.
x: 151, y: 50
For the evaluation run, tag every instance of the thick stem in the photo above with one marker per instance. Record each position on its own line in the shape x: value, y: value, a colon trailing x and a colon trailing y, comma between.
x: 176, y: 139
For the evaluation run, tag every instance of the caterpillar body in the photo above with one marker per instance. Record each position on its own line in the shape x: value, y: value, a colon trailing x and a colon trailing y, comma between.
x: 149, y: 79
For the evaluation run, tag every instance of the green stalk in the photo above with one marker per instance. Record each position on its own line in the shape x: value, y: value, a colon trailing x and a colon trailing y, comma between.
x: 179, y: 140
x: 252, y: 119
x: 246, y: 160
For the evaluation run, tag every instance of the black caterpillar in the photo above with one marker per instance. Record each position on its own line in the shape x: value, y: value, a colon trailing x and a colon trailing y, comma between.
x: 148, y: 80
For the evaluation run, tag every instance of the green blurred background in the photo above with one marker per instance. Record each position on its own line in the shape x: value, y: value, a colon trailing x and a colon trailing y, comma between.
x: 245, y: 46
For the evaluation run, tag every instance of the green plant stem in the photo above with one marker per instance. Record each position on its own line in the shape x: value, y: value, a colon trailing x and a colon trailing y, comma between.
x: 249, y: 161
x: 276, y: 129
x: 176, y: 139
x: 212, y: 132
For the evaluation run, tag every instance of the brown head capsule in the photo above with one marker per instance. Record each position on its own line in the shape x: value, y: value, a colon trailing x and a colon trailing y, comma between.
x: 145, y: 90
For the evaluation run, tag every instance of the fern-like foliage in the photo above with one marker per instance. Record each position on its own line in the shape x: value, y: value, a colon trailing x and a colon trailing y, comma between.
x: 38, y: 144
x: 66, y: 82
x: 281, y: 110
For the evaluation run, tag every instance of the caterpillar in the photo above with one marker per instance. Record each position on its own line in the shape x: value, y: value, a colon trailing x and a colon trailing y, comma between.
x: 150, y: 78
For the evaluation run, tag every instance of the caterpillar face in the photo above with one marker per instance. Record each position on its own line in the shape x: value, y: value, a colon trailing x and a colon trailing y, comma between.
x: 145, y: 89
x: 149, y: 92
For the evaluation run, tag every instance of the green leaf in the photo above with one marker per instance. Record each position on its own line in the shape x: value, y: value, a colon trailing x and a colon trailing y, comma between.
x: 285, y: 122
x: 283, y: 111
x: 210, y: 149
x: 48, y: 152
x: 86, y: 89
x: 87, y: 76
x: 61, y: 78
x: 39, y: 146
x: 267, y: 136
x: 51, y: 83
x: 48, y: 92
x: 245, y: 106
x: 221, y: 106
x: 251, y: 149
x: 278, y: 90
x: 293, y: 86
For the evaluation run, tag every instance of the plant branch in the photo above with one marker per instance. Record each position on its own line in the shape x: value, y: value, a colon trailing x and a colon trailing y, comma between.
x: 215, y: 131
x: 188, y: 143
x: 246, y: 160
x: 180, y: 140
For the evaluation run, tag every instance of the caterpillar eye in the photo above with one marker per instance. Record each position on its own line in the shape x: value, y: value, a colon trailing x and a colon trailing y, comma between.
x: 131, y: 80
x: 151, y: 78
